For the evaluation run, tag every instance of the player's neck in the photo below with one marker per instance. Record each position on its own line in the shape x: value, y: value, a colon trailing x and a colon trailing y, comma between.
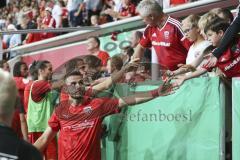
x: 42, y: 78
x: 162, y: 21
x: 76, y: 102
x: 199, y: 40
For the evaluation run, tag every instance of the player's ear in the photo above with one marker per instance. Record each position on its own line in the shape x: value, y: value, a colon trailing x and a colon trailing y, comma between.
x: 221, y: 32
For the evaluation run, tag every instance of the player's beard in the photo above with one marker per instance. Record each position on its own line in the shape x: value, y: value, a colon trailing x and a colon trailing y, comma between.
x: 78, y: 93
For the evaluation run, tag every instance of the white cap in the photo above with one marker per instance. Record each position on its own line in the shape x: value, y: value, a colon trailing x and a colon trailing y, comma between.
x: 11, y: 27
x: 48, y: 9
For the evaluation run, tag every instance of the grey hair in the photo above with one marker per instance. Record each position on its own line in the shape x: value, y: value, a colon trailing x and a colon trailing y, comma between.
x: 147, y: 7
x: 8, y: 93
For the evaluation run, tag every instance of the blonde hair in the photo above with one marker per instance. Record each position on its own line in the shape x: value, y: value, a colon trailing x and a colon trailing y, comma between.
x: 193, y: 19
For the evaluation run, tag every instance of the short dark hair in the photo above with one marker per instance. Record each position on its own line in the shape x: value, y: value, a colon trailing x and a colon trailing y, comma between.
x: 42, y: 64
x: 216, y: 25
x: 72, y: 64
x: 73, y: 73
x: 208, y: 50
x: 33, y: 71
x: 96, y: 39
x: 92, y: 61
x: 17, y: 69
x: 117, y: 62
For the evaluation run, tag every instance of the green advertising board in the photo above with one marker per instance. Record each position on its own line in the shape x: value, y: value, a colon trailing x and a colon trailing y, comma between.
x: 114, y: 47
x: 236, y: 118
x: 187, y: 125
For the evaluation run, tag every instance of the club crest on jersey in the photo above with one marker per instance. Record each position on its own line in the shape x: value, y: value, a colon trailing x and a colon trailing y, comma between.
x: 166, y: 34
x: 87, y: 109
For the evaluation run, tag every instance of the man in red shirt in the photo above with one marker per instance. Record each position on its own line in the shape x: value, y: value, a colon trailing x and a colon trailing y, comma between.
x: 93, y: 46
x: 20, y: 73
x: 79, y: 121
x: 163, y: 34
x: 39, y: 94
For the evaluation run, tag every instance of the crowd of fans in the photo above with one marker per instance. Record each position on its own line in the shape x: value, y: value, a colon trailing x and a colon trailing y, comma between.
x: 181, y: 56
x: 49, y: 14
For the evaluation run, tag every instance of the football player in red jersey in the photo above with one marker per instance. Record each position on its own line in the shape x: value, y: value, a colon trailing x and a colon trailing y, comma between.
x: 79, y: 120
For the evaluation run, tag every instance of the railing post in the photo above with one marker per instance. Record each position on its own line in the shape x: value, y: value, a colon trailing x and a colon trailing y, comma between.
x: 1, y: 48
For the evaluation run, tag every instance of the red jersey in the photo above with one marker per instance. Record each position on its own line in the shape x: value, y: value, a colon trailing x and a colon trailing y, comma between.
x: 168, y: 42
x: 128, y: 10
x: 103, y: 56
x: 16, y: 123
x: 20, y: 86
x: 49, y: 21
x: 39, y: 89
x: 80, y: 128
x: 229, y: 62
x: 26, y: 95
x: 64, y: 13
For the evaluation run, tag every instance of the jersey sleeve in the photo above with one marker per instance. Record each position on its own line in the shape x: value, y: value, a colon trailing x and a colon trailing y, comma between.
x: 106, y: 106
x: 183, y: 40
x: 54, y: 122
x: 19, y: 83
x: 229, y: 35
x: 104, y: 56
x: 145, y: 40
x: 39, y: 90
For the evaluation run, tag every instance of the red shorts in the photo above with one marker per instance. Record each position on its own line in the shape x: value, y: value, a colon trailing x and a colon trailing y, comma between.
x: 50, y: 152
